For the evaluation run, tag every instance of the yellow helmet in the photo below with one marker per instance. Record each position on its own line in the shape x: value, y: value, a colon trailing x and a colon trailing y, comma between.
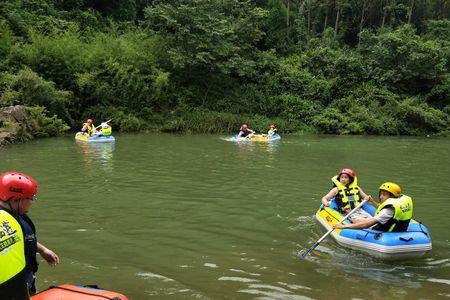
x: 392, y: 188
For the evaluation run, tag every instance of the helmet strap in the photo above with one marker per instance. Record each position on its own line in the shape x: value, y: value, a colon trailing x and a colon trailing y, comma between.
x: 11, y: 207
x: 9, y: 204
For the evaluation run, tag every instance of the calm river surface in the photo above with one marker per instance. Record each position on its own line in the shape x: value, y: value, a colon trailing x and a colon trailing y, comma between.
x: 198, y: 217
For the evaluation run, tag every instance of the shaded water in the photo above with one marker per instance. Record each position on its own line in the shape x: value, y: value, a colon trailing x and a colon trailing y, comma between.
x: 197, y: 217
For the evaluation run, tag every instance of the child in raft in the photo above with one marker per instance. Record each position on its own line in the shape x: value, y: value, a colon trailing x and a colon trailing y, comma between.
x: 347, y: 194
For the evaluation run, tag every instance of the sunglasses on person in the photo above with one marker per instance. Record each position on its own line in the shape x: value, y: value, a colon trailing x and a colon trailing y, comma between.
x: 34, y: 198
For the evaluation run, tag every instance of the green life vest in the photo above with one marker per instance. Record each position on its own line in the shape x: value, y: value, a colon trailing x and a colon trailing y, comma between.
x: 107, y: 130
x: 348, y: 196
x: 403, y: 212
x: 12, y: 253
x: 90, y: 128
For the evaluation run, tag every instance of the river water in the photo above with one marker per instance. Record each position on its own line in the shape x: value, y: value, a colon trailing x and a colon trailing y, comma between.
x: 198, y: 217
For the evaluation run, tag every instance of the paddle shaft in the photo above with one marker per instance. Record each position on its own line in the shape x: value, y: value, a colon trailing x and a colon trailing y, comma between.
x: 331, y: 230
x: 103, y: 122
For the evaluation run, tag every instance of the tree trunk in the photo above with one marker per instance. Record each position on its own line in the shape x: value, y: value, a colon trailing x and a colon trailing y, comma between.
x: 309, y: 17
x: 384, y: 15
x: 336, y: 25
x: 287, y: 13
x: 326, y: 16
x: 410, y: 11
x: 439, y: 10
x: 361, y: 22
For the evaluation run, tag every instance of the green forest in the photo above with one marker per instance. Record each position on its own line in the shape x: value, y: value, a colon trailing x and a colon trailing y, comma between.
x: 377, y: 67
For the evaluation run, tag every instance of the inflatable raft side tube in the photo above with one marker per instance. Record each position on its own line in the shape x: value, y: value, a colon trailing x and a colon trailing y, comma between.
x: 72, y: 292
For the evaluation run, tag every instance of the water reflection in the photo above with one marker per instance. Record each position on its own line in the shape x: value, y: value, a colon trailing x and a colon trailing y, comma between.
x: 270, y: 147
x: 97, y: 154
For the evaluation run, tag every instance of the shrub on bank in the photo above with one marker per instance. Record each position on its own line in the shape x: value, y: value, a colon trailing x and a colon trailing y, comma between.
x: 26, y: 87
x: 22, y: 123
x: 42, y: 125
x: 206, y: 121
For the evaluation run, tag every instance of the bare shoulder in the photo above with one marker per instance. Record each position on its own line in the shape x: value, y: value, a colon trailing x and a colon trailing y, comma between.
x: 333, y: 191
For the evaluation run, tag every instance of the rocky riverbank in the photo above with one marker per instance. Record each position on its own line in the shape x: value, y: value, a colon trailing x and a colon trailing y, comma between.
x: 12, y: 120
x: 20, y: 123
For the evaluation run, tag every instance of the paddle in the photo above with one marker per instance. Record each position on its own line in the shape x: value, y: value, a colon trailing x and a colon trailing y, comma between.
x: 247, y: 137
x: 252, y: 134
x: 103, y: 123
x: 331, y: 230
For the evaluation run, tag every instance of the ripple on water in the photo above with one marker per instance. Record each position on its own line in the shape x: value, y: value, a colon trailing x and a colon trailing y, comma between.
x: 237, y: 279
x: 150, y: 275
x: 164, y: 286
x: 210, y: 265
x: 269, y: 287
x: 294, y: 286
x: 244, y: 272
x: 444, y: 281
x: 270, y: 295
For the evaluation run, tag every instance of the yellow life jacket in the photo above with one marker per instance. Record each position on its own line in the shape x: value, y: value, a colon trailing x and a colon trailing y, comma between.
x: 271, y: 131
x: 403, y: 212
x: 12, y: 247
x: 90, y: 128
x: 107, y: 130
x: 348, y: 196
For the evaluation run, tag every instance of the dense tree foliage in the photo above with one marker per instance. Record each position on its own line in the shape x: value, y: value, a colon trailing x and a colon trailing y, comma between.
x: 332, y: 66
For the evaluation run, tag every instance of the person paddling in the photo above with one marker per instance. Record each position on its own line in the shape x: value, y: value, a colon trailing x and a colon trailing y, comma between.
x: 89, y: 127
x: 245, y: 132
x: 346, y: 193
x: 272, y: 130
x: 106, y: 129
x: 393, y: 214
x: 17, y: 194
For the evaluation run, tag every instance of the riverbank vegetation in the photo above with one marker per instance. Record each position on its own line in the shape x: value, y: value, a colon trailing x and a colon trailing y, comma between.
x: 20, y: 124
x: 332, y: 66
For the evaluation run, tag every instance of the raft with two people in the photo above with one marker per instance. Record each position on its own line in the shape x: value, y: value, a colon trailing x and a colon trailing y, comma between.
x: 414, y: 242
x: 385, y: 230
x: 257, y: 138
x: 248, y: 135
x: 92, y: 135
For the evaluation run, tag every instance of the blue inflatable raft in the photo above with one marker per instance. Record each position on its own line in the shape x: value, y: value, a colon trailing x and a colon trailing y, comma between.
x: 386, y: 245
x: 81, y: 136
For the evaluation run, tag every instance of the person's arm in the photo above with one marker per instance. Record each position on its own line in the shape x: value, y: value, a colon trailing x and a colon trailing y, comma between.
x: 327, y: 198
x: 365, y: 223
x: 95, y: 131
x: 364, y: 196
x: 385, y: 215
x: 382, y: 217
x: 50, y: 257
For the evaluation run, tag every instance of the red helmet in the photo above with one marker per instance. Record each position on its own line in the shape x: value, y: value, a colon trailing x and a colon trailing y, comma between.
x: 16, y: 185
x: 349, y: 172
x: 89, y: 121
x: 244, y: 126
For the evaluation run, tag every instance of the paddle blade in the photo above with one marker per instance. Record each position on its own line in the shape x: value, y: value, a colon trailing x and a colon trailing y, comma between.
x: 310, y: 249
